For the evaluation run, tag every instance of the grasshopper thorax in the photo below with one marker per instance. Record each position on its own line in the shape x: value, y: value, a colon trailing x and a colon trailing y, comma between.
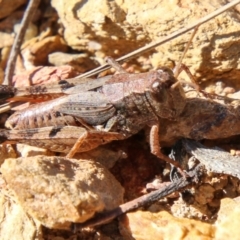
x: 166, y: 95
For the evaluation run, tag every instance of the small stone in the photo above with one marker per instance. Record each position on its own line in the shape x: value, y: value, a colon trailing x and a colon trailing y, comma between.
x: 31, y: 151
x: 104, y: 156
x: 229, y: 90
x: 181, y: 209
x: 219, y: 182
x: 80, y: 62
x: 204, y: 194
x: 35, y: 51
x: 57, y: 191
x: 142, y: 225
x: 6, y: 151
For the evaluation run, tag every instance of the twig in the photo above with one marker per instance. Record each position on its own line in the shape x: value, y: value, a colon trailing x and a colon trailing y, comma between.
x: 178, y: 185
x: 163, y: 40
x: 31, y: 8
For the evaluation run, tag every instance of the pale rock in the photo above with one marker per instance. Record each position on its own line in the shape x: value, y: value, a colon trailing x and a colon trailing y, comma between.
x: 142, y: 225
x: 8, y: 6
x: 183, y: 210
x: 57, y: 191
x: 31, y: 151
x: 97, y: 26
x: 6, y: 39
x: 6, y: 151
x: 15, y: 223
x: 227, y: 224
x: 114, y: 28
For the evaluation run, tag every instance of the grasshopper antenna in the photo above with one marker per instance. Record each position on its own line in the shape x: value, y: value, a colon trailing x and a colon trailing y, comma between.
x: 178, y: 68
x: 181, y: 67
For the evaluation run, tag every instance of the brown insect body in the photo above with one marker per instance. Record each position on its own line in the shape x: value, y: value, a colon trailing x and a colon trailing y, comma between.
x: 125, y: 104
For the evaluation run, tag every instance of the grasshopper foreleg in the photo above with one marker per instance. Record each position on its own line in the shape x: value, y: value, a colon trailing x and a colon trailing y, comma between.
x: 155, y: 149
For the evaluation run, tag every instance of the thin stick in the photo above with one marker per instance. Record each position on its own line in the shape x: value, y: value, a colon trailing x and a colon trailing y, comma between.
x: 163, y: 40
x: 178, y: 185
x: 31, y: 8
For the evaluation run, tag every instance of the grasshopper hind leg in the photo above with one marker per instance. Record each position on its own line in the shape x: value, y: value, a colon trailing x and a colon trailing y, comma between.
x: 77, y: 145
x: 93, y: 139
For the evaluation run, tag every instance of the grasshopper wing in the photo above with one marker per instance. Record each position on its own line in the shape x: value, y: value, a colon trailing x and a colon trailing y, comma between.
x: 51, y: 91
x: 92, y: 107
x: 85, y: 84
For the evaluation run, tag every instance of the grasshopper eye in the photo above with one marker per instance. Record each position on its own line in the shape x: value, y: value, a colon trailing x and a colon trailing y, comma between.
x: 165, y: 70
x: 158, y: 91
x: 156, y: 86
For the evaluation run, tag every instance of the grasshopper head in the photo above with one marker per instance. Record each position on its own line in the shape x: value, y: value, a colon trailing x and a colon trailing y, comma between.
x: 166, y: 95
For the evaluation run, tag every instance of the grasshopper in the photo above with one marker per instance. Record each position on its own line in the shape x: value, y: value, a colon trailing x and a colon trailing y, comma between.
x: 114, y: 108
x: 110, y: 108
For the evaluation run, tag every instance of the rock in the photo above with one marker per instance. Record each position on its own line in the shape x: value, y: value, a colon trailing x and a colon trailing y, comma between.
x: 181, y: 209
x: 8, y: 6
x: 6, y: 39
x: 104, y: 156
x: 57, y: 191
x: 219, y: 182
x: 142, y: 225
x: 15, y: 223
x: 204, y: 194
x: 117, y: 27
x: 104, y: 29
x: 80, y: 62
x: 43, y: 75
x: 6, y: 151
x: 227, y: 224
x: 31, y: 151
x: 35, y: 51
x: 8, y: 23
